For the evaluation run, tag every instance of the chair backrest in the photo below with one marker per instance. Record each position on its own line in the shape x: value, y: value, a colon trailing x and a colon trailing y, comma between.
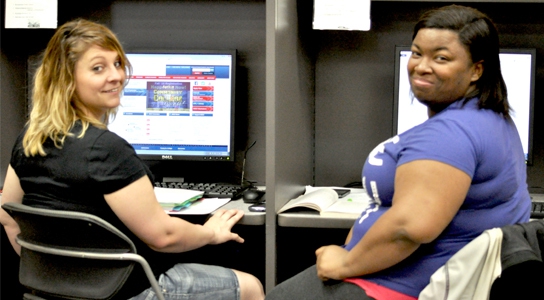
x: 56, y: 246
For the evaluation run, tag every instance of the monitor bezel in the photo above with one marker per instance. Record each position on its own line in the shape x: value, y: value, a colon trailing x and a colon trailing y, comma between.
x: 196, y: 158
x: 531, y: 51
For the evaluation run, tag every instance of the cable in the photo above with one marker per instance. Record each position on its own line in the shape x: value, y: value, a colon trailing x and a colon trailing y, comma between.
x: 244, y: 163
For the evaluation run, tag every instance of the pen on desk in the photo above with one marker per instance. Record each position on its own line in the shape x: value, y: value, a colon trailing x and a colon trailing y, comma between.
x: 186, y: 203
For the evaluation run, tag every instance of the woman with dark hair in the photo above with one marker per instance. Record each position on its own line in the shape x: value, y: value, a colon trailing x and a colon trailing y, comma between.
x: 66, y: 159
x: 437, y: 186
x: 479, y: 35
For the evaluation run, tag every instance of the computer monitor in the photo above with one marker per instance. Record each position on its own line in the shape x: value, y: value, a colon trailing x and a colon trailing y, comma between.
x: 179, y: 105
x: 518, y: 71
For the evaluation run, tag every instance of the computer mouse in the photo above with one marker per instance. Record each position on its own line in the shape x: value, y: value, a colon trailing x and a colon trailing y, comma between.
x: 252, y: 196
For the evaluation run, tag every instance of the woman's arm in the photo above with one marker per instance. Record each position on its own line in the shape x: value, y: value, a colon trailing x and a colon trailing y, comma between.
x: 427, y: 196
x: 12, y: 192
x: 348, y: 237
x: 138, y: 208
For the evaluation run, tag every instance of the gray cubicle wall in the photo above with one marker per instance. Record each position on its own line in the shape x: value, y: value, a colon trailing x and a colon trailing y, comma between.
x: 354, y: 82
x: 289, y: 117
x: 12, y: 107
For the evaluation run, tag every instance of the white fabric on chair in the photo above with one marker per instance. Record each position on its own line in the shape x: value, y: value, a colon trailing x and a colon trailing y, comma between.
x: 470, y: 273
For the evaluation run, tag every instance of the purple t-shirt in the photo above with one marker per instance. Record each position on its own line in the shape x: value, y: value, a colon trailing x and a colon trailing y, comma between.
x: 478, y: 142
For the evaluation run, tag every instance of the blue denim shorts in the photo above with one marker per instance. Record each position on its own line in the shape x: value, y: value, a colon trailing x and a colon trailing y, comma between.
x: 195, y: 282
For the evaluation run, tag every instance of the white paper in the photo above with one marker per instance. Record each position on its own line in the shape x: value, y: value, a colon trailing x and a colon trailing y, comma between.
x: 201, y: 207
x: 342, y: 14
x: 170, y: 195
x: 31, y: 14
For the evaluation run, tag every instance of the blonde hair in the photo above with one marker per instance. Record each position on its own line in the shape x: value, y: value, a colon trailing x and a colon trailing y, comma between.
x: 55, y: 107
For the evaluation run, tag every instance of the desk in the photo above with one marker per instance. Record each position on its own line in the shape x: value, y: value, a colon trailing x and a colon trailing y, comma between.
x: 249, y: 218
x: 537, y: 197
x: 308, y: 218
x: 312, y: 219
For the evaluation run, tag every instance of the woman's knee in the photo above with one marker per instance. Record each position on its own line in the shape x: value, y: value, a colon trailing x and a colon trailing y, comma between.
x: 250, y: 287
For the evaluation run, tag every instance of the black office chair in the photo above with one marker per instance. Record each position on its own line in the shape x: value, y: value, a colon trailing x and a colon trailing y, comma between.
x: 73, y: 255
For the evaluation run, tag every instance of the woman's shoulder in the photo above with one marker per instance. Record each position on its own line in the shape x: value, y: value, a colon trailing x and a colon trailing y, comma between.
x: 96, y: 133
x: 101, y: 140
x: 468, y: 117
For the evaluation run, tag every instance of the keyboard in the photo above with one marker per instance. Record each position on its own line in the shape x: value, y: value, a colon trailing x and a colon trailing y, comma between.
x: 211, y: 190
x: 537, y: 210
x: 537, y: 207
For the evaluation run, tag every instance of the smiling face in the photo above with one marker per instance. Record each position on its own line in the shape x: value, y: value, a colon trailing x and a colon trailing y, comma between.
x: 99, y: 79
x: 440, y: 68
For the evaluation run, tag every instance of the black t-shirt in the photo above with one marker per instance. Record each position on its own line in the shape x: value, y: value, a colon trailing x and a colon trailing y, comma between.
x: 76, y: 178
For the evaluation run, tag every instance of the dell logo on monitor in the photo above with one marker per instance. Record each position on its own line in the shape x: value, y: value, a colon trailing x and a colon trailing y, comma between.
x: 167, y: 157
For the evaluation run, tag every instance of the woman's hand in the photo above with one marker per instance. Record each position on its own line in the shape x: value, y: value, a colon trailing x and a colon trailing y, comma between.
x: 221, y: 222
x: 330, y: 262
x: 162, y: 232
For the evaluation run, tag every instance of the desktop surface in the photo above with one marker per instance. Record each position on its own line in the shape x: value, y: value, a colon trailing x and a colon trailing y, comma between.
x: 312, y: 219
x: 250, y: 217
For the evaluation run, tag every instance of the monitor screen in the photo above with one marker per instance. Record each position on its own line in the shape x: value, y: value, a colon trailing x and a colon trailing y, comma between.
x: 518, y: 71
x: 179, y: 105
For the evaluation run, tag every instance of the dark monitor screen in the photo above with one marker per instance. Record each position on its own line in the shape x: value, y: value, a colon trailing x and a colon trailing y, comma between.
x: 518, y: 71
x: 179, y: 105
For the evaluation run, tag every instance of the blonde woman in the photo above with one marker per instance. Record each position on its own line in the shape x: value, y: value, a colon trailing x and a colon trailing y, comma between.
x: 66, y: 159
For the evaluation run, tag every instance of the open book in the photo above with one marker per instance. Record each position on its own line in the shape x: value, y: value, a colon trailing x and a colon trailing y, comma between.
x: 325, y: 200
